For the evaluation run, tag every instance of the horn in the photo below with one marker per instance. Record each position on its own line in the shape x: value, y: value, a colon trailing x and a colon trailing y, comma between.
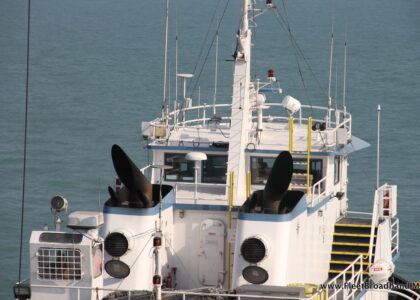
x: 278, y: 182
x: 139, y: 187
x: 113, y: 201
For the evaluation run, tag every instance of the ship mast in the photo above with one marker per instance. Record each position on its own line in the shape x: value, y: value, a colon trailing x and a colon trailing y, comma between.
x: 241, y: 118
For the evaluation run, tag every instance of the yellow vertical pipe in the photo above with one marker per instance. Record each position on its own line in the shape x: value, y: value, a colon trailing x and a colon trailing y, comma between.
x: 308, y: 157
x: 248, y: 184
x: 231, y: 186
x: 291, y: 122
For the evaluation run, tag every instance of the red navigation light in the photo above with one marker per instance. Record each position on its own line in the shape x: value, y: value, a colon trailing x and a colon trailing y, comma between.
x: 270, y: 73
x: 157, y: 241
x: 156, y: 280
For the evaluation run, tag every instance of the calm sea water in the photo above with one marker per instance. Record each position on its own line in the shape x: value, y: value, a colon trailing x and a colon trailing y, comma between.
x: 96, y: 72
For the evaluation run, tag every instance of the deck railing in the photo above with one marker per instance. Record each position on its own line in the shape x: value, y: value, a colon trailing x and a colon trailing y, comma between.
x: 202, y: 114
x: 340, y: 287
x: 187, y: 294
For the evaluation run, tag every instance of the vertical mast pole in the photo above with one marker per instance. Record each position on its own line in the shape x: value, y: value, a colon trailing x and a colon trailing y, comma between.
x: 165, y: 60
x: 241, y: 121
x: 176, y: 78
x: 378, y: 147
x: 215, y: 74
x: 344, y: 77
x: 330, y: 75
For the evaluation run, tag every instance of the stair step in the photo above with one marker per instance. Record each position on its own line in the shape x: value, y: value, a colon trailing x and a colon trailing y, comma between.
x: 347, y: 272
x: 350, y: 253
x: 341, y: 267
x: 352, y: 239
x: 352, y: 230
x: 351, y: 244
x: 357, y: 222
x: 353, y: 225
x: 347, y: 257
x: 351, y: 248
x: 346, y: 262
x: 353, y: 234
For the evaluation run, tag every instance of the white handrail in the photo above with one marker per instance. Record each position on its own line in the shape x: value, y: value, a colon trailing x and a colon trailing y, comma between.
x: 145, y: 168
x: 338, y: 283
x: 317, y: 191
x: 183, y: 293
x: 373, y: 223
x: 346, y: 123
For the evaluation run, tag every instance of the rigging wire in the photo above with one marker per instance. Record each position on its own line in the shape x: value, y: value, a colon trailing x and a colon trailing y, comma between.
x: 208, y: 51
x: 283, y: 21
x: 22, y: 214
x: 296, y: 46
x: 205, y: 38
x: 131, y: 266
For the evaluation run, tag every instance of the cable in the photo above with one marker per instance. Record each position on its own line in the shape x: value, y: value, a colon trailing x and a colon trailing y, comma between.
x: 286, y: 26
x: 147, y: 243
x: 22, y: 214
x: 208, y: 52
x: 295, y: 44
x: 205, y: 38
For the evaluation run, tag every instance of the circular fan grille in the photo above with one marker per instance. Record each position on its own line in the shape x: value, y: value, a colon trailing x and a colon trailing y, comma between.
x: 253, y: 250
x: 116, y: 244
x: 255, y: 275
x: 117, y: 269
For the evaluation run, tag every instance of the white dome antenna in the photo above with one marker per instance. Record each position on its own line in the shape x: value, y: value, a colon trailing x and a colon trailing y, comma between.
x: 197, y: 158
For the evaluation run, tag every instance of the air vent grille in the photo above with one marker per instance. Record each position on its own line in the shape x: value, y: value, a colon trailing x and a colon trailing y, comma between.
x: 255, y: 275
x: 253, y: 250
x: 116, y: 244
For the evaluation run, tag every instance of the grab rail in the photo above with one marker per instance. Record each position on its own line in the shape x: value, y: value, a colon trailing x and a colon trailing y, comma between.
x: 318, y: 191
x: 373, y: 223
x: 339, y: 284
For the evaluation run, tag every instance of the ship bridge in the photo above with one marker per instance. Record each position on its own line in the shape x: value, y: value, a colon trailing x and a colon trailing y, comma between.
x: 314, y: 135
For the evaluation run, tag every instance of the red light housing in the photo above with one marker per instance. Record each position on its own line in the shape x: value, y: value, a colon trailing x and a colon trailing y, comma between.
x: 270, y: 73
x: 156, y: 280
x: 157, y: 241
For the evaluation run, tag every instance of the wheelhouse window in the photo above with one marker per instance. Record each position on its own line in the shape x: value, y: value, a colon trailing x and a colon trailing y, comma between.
x: 214, y: 169
x: 261, y: 169
x: 182, y: 170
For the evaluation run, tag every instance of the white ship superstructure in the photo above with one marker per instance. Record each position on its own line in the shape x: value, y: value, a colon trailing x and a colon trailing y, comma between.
x: 242, y: 200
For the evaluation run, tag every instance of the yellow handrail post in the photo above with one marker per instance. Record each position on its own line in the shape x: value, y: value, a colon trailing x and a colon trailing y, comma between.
x: 231, y: 186
x: 248, y: 184
x: 308, y: 157
x: 291, y: 122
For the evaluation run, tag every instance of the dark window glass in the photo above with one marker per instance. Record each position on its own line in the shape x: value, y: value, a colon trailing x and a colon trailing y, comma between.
x: 182, y: 170
x: 214, y: 169
x: 261, y: 169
